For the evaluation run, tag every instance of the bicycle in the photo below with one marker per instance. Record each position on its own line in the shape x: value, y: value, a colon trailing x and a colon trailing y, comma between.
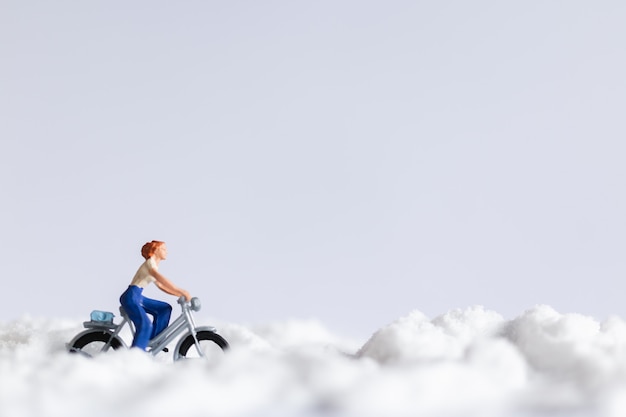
x: 102, y: 335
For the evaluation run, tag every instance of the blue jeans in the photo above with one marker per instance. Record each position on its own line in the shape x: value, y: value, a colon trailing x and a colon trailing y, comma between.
x: 138, y: 307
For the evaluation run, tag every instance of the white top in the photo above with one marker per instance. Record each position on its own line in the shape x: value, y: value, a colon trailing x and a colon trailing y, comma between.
x: 143, y: 278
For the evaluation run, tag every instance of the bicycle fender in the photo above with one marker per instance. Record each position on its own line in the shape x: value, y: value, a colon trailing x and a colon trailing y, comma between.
x: 206, y: 328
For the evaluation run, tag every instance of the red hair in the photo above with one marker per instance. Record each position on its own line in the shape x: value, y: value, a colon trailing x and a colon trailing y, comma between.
x: 149, y: 248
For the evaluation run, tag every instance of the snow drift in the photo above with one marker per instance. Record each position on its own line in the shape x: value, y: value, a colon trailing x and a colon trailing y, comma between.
x: 468, y: 362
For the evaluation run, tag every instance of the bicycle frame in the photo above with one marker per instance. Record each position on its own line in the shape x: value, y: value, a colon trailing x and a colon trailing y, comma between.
x: 182, y: 324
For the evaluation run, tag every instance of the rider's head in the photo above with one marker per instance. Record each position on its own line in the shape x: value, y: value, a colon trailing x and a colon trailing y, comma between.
x: 150, y: 248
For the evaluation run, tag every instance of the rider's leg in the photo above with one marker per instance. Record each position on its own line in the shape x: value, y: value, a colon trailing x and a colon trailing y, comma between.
x: 161, y: 312
x: 132, y: 301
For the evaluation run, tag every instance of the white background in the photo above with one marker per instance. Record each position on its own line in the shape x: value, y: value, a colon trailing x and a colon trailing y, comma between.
x: 349, y: 161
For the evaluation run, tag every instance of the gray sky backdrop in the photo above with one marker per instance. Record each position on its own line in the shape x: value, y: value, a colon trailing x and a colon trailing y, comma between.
x: 344, y: 160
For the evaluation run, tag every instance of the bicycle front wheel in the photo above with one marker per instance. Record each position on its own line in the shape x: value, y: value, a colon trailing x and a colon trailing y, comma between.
x: 95, y: 343
x: 210, y: 346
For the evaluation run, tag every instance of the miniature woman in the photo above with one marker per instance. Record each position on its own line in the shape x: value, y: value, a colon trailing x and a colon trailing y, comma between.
x: 138, y: 307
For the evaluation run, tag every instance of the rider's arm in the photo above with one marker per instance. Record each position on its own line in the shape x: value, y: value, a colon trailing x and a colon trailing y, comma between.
x: 167, y: 286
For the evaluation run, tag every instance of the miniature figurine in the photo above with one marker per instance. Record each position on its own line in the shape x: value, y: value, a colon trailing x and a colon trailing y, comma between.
x: 138, y: 307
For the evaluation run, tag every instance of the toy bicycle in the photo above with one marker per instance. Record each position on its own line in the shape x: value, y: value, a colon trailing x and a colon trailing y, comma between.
x: 102, y: 334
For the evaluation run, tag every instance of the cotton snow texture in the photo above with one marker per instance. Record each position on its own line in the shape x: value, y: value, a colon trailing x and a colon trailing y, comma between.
x: 468, y: 362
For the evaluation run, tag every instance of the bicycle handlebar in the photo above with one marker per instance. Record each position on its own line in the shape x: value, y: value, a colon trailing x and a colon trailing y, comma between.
x: 194, y: 303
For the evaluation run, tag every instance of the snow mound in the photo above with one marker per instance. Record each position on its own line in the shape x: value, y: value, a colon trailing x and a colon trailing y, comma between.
x: 467, y: 362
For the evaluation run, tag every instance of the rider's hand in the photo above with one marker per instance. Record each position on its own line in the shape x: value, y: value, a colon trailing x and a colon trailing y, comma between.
x: 187, y: 295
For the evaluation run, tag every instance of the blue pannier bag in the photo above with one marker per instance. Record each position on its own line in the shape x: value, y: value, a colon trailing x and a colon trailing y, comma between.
x: 102, y: 316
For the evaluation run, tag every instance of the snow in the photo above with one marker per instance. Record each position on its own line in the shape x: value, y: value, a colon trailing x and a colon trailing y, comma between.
x: 467, y: 362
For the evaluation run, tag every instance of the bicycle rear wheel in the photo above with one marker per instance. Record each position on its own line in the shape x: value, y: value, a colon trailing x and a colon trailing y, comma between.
x: 95, y: 343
